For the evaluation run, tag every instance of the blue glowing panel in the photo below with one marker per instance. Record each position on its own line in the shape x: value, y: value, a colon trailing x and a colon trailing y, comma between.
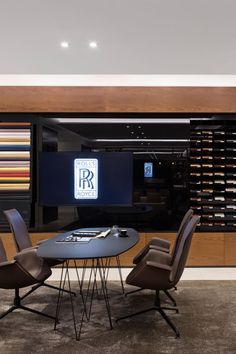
x: 148, y: 169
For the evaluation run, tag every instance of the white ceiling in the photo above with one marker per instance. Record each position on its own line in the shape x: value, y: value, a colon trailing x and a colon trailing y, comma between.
x: 133, y: 36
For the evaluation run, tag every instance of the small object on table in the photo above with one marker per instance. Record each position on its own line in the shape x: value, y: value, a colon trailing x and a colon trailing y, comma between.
x: 115, y: 230
x: 123, y: 233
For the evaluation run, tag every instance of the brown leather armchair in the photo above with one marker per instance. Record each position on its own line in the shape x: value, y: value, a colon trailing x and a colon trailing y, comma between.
x: 164, y: 246
x: 161, y: 271
x: 161, y: 244
x: 26, y: 269
x: 23, y: 242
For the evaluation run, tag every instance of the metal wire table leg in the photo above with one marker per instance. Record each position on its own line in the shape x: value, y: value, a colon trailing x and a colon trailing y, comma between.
x: 120, y: 274
x: 59, y: 296
x: 104, y: 291
x: 85, y: 312
x: 71, y: 300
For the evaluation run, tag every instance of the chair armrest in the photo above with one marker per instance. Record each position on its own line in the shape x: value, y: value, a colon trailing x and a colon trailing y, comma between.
x: 28, y: 249
x: 158, y: 248
x: 31, y: 253
x: 158, y: 265
x: 41, y: 241
x: 154, y: 255
x: 7, y: 263
x: 155, y: 243
x: 159, y: 242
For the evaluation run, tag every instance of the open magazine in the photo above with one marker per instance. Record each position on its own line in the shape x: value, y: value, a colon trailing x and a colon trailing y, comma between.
x: 84, y: 235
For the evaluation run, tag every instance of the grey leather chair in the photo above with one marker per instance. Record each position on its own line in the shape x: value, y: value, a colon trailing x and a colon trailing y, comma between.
x: 23, y: 242
x: 26, y: 269
x: 160, y: 271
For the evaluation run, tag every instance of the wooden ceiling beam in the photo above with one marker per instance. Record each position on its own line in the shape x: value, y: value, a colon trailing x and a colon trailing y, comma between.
x: 118, y: 99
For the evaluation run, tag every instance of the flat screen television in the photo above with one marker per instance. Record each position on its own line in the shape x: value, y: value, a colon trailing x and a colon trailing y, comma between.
x: 84, y: 178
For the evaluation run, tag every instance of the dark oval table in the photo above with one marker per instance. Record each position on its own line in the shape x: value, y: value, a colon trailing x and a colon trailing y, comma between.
x: 110, y: 246
x: 96, y: 249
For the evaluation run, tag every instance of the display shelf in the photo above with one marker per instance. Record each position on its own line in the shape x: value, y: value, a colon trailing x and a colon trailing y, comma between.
x: 217, y: 228
x: 213, y: 174
x: 15, y: 167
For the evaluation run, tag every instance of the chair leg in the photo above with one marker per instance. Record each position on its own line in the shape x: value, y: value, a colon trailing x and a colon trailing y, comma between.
x: 35, y: 311
x: 120, y: 274
x: 57, y: 288
x: 170, y: 297
x: 17, y: 305
x: 165, y: 291
x: 35, y: 287
x: 160, y: 309
x: 169, y: 322
x: 157, y: 307
x: 135, y: 314
x: 8, y: 311
x: 133, y: 291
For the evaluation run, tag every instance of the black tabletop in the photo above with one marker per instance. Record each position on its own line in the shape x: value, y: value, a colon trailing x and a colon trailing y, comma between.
x: 110, y: 246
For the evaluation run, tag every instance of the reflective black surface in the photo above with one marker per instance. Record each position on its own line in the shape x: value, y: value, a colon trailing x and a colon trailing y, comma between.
x: 109, y: 246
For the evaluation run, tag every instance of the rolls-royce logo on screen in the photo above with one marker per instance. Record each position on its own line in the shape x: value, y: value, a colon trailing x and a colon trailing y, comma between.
x: 86, y: 178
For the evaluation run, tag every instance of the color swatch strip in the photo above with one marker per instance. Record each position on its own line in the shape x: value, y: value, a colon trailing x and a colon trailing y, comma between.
x: 15, y: 151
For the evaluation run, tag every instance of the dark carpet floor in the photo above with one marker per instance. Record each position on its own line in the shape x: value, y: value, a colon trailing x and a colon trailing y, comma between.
x: 207, y: 323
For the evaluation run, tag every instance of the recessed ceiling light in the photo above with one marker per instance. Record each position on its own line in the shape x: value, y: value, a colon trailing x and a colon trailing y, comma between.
x: 127, y: 126
x: 93, y: 44
x: 64, y: 44
x: 139, y: 127
x: 132, y: 132
x: 142, y: 133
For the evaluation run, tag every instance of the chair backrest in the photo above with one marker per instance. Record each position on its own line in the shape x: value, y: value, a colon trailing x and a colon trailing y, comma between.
x: 182, y: 227
x: 183, y: 250
x: 18, y: 229
x: 3, y: 256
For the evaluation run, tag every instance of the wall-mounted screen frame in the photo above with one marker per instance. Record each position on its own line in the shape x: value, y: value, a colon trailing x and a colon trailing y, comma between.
x: 85, y: 178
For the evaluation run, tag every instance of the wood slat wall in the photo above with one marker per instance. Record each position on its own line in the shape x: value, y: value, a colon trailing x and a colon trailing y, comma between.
x: 118, y: 99
x: 208, y: 249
